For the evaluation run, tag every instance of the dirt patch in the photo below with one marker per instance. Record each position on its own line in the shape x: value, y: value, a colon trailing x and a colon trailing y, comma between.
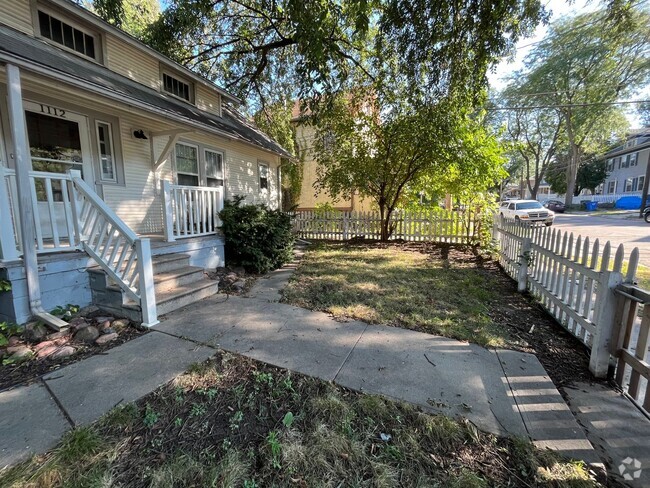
x: 30, y: 370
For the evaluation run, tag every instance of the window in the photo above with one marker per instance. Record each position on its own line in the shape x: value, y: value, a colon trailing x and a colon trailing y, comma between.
x: 66, y: 35
x: 610, y: 164
x: 187, y: 164
x: 213, y: 168
x: 611, y: 187
x: 264, y: 176
x: 106, y: 152
x: 639, y: 186
x: 633, y: 160
x: 628, y: 185
x: 176, y: 87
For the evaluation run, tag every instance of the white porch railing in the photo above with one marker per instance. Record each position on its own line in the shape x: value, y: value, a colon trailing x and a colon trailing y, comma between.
x: 190, y: 211
x: 69, y: 215
x: 54, y: 222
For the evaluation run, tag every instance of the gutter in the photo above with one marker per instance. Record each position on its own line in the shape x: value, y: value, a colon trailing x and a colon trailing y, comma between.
x: 100, y: 90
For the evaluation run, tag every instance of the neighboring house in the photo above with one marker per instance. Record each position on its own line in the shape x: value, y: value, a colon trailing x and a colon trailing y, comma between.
x: 311, y: 198
x: 627, y: 165
x: 522, y: 191
x: 114, y: 162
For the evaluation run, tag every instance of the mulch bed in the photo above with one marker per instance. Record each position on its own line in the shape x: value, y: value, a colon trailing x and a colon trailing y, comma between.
x: 564, y: 357
x: 30, y: 371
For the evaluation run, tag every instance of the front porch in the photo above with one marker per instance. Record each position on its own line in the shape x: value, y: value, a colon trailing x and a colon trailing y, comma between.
x: 56, y: 226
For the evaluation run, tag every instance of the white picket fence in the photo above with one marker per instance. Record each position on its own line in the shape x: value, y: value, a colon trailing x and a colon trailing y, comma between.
x: 427, y: 225
x: 589, y: 290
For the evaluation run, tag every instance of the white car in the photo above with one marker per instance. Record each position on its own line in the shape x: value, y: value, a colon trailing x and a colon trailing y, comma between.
x: 526, y: 211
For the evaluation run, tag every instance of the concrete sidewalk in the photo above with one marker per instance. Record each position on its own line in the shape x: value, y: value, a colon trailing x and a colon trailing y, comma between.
x: 503, y: 392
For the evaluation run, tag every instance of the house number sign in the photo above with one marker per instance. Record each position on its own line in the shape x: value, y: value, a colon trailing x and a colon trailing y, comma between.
x: 49, y: 110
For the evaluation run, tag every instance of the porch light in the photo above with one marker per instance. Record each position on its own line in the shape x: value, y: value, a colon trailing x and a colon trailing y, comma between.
x: 139, y: 134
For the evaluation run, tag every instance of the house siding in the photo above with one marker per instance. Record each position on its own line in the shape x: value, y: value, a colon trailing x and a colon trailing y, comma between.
x: 621, y: 174
x: 207, y: 100
x: 18, y: 15
x: 132, y: 62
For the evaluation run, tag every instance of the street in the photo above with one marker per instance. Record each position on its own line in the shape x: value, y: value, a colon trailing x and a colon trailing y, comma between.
x: 614, y: 228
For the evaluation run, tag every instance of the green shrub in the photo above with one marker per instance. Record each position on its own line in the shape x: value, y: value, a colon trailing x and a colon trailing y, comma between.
x: 257, y: 238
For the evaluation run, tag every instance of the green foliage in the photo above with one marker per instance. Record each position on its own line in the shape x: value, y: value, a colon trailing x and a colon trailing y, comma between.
x: 132, y: 16
x: 65, y: 312
x: 591, y: 173
x: 275, y: 121
x: 305, y: 49
x: 389, y: 151
x: 5, y: 285
x: 287, y: 420
x: 257, y: 238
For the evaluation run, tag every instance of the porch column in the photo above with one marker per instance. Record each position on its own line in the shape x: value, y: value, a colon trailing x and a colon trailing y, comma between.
x: 8, y: 241
x: 22, y: 161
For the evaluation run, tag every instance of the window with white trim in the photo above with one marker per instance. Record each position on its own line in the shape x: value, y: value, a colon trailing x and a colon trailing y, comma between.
x: 610, y: 164
x: 177, y: 87
x: 633, y: 159
x: 213, y: 168
x: 108, y: 169
x: 187, y: 164
x: 629, y: 185
x: 67, y: 35
x: 263, y: 170
x: 611, y: 187
x: 639, y: 186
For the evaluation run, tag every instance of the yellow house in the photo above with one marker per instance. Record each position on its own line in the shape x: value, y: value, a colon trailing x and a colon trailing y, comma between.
x: 310, y: 197
x: 114, y: 162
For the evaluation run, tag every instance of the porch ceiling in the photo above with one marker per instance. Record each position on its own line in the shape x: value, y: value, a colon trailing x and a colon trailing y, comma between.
x: 33, y: 52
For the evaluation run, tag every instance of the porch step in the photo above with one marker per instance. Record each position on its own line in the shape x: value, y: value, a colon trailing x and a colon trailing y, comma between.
x: 176, y: 283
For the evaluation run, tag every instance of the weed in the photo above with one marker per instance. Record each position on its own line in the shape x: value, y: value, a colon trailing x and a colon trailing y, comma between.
x: 122, y: 416
x: 178, y: 421
x: 79, y: 443
x: 198, y: 410
x: 275, y: 448
x: 288, y: 420
x: 150, y: 417
x: 236, y: 420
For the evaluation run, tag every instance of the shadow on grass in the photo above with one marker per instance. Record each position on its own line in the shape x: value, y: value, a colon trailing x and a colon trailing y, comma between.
x: 442, y: 292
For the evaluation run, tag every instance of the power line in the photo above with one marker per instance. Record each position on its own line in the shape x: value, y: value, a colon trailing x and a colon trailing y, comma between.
x: 536, y: 107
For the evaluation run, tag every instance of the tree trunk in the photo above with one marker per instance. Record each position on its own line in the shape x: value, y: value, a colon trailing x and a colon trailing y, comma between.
x: 574, y: 160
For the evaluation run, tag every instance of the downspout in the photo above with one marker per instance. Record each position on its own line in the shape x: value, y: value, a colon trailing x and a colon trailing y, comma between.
x: 22, y: 163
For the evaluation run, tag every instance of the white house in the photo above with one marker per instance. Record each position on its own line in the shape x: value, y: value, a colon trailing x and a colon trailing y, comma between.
x: 114, y: 162
x: 627, y: 165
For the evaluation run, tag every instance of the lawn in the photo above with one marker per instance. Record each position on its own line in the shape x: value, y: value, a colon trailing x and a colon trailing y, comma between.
x: 393, y: 285
x: 235, y: 422
x: 439, y: 289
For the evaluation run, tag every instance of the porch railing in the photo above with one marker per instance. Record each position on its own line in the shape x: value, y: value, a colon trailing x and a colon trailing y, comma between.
x: 69, y: 215
x: 54, y: 221
x: 190, y: 211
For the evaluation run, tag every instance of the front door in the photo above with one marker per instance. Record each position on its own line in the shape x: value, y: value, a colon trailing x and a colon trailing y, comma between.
x: 58, y: 141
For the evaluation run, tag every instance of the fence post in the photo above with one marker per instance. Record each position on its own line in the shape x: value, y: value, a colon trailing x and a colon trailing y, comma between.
x: 522, y: 275
x: 168, y: 216
x: 604, y: 320
x: 345, y: 226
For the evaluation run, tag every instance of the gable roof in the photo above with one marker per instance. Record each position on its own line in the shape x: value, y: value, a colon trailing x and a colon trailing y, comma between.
x: 37, y: 55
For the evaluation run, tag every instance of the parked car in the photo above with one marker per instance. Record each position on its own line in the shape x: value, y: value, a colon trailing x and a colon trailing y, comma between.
x: 527, y: 211
x: 555, y: 205
x: 646, y: 214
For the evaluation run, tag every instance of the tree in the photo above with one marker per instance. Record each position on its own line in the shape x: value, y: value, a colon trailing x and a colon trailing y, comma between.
x: 380, y: 151
x: 533, y: 137
x: 132, y: 16
x: 591, y: 174
x: 275, y: 120
x: 268, y: 50
x: 584, y: 65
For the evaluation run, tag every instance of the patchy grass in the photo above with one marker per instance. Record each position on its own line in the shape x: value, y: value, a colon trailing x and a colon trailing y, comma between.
x: 440, y: 294
x: 233, y: 422
x: 642, y: 277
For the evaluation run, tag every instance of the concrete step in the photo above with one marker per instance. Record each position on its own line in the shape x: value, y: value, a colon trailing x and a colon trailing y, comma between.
x: 185, y: 295
x: 170, y: 262
x: 179, y: 277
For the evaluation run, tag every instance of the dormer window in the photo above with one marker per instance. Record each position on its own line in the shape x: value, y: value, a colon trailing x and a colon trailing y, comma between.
x: 177, y: 87
x: 66, y: 35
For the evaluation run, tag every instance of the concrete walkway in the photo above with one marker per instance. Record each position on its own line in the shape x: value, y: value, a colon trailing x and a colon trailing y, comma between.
x: 503, y: 392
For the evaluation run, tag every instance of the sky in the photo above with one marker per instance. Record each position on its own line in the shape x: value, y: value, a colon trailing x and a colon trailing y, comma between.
x: 559, y: 8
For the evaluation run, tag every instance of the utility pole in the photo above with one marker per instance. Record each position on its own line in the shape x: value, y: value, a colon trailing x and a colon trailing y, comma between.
x: 646, y: 182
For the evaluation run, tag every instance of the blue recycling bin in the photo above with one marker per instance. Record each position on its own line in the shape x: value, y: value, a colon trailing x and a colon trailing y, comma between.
x: 591, y: 206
